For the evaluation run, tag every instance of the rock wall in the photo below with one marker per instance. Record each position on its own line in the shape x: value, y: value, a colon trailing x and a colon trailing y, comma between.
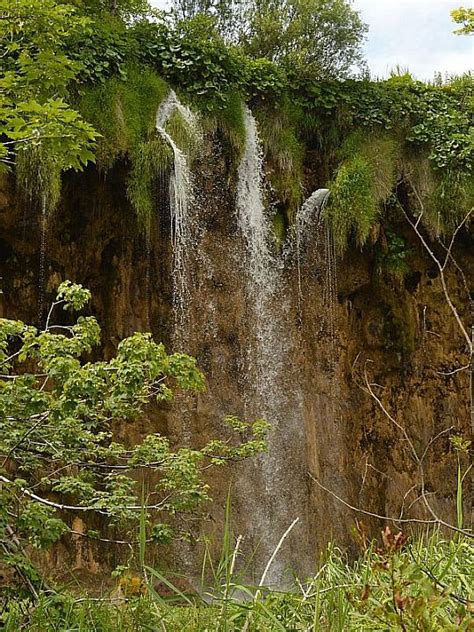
x: 400, y: 334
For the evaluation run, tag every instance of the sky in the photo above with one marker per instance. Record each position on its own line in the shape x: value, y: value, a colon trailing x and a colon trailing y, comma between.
x: 413, y: 34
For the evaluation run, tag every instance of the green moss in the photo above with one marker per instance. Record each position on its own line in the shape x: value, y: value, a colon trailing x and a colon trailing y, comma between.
x: 229, y: 121
x: 38, y: 177
x: 365, y: 179
x: 183, y: 135
x: 149, y: 161
x: 352, y: 209
x: 123, y: 111
x: 284, y: 152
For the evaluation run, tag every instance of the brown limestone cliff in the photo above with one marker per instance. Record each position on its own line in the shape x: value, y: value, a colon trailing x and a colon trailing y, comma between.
x: 401, y: 332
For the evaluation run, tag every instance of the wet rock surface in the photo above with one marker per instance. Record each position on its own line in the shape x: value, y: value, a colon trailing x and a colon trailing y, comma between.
x: 400, y: 335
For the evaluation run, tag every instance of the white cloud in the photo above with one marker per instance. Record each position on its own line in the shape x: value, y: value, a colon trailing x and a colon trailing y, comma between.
x: 417, y: 34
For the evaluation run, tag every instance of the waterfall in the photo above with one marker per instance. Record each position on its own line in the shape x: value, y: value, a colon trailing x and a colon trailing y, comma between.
x: 267, y: 490
x: 44, y: 225
x: 314, y: 205
x: 310, y: 221
x: 180, y: 199
x: 304, y: 217
x: 260, y: 261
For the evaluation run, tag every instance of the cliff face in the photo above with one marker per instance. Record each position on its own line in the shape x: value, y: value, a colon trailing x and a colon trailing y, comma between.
x: 335, y: 323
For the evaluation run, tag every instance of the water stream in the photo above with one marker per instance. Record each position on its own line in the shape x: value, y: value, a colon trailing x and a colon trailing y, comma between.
x: 180, y: 200
x: 271, y: 499
x: 44, y: 225
x: 308, y: 222
x: 260, y: 263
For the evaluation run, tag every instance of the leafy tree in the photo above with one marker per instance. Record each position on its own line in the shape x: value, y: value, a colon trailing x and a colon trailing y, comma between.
x: 123, y: 9
x: 229, y: 15
x: 317, y: 37
x: 465, y: 17
x: 35, y: 118
x: 320, y: 37
x: 62, y: 419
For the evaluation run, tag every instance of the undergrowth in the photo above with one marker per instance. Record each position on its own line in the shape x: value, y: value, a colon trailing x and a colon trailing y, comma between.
x: 399, y: 585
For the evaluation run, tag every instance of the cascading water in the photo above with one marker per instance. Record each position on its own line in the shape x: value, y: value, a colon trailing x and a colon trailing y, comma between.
x: 314, y: 205
x: 255, y: 227
x: 183, y: 238
x: 268, y: 491
x: 310, y: 222
x: 42, y: 259
x: 180, y: 196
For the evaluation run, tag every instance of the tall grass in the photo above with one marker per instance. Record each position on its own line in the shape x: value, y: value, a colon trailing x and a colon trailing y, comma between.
x: 425, y: 584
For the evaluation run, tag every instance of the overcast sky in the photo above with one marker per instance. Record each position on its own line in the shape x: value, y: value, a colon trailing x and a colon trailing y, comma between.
x: 411, y: 33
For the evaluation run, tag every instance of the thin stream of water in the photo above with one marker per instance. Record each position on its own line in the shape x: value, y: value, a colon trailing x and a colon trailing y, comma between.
x: 42, y: 260
x: 180, y: 197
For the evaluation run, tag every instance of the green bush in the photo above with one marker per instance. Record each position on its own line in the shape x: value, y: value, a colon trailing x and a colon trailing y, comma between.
x: 61, y: 456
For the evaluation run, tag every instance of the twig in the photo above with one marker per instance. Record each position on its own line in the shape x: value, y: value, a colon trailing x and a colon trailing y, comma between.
x: 370, y: 513
x: 267, y: 568
x: 461, y: 368
x: 62, y: 507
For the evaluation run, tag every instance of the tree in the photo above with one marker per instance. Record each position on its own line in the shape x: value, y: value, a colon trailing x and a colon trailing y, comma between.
x: 61, y: 417
x: 320, y: 38
x: 229, y: 15
x: 36, y: 122
x: 317, y: 37
x: 123, y: 9
x: 466, y: 18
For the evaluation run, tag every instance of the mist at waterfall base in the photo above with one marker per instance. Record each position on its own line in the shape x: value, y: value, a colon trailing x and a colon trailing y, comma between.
x: 271, y: 490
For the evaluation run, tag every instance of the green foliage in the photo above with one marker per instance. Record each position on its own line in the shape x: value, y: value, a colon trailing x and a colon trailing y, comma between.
x: 465, y: 17
x: 449, y: 202
x: 33, y: 83
x: 435, y: 117
x: 262, y: 78
x: 102, y: 52
x: 57, y: 440
x: 352, y: 209
x: 183, y: 133
x: 38, y: 176
x: 392, y: 256
x: 116, y: 9
x: 420, y: 585
x: 109, y: 62
x: 284, y: 151
x: 229, y: 122
x: 131, y: 107
x: 315, y: 38
x: 149, y: 161
x: 190, y: 54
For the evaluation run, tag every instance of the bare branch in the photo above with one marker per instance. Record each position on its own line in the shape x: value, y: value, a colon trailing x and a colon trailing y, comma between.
x: 370, y: 513
x: 82, y: 508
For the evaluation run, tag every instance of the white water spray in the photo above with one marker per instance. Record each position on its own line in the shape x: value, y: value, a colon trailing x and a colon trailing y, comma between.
x: 180, y: 196
x: 255, y: 227
x: 305, y: 219
x: 269, y: 496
